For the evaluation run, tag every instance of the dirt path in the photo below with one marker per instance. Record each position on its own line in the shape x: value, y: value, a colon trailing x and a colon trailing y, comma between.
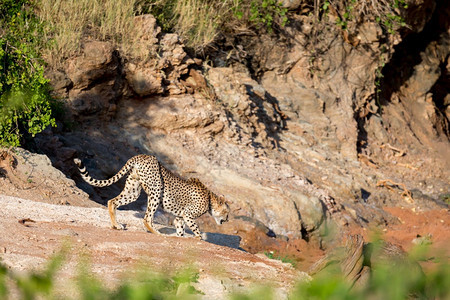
x: 33, y: 231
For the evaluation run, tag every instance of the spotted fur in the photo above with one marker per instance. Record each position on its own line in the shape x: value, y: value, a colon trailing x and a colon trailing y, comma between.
x: 186, y: 199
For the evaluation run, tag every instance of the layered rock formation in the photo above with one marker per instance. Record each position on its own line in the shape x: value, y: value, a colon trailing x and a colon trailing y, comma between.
x: 290, y: 129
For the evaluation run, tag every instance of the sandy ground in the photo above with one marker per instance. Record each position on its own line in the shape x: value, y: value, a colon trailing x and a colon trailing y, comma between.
x: 33, y: 231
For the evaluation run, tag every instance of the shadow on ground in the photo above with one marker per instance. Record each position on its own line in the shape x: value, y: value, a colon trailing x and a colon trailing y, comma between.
x: 162, y: 219
x: 227, y: 240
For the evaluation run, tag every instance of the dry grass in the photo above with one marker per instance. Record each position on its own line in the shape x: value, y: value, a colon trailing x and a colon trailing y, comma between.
x: 376, y: 7
x: 64, y: 26
x: 198, y: 21
x: 68, y: 21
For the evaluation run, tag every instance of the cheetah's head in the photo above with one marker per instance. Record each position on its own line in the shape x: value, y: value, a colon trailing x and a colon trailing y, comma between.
x: 219, y: 209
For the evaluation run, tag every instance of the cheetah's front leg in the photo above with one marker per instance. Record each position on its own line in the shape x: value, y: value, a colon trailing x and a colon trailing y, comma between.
x: 179, y: 225
x: 153, y: 203
x: 193, y: 226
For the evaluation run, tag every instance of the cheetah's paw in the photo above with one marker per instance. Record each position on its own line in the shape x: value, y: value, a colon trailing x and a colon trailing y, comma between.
x: 118, y: 227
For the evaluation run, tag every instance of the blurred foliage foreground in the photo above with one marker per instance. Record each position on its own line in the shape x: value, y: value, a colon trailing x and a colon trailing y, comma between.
x: 391, y: 278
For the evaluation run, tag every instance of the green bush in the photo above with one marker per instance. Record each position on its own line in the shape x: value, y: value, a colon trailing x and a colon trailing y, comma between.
x: 387, y: 13
x: 25, y: 102
x: 263, y: 13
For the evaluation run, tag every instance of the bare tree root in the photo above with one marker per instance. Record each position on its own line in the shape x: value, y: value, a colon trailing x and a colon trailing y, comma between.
x: 397, y: 152
x: 390, y: 185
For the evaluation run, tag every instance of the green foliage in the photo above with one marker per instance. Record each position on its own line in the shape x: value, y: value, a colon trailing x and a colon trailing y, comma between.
x: 325, y: 6
x: 378, y: 80
x: 9, y: 8
x: 257, y: 293
x: 342, y: 21
x: 163, y: 11
x: 264, y: 13
x: 389, y: 16
x: 25, y: 103
x: 326, y: 285
x: 285, y: 259
x: 156, y: 286
x: 386, y: 12
x: 35, y: 283
x: 3, y: 276
x: 391, y: 21
x: 445, y: 198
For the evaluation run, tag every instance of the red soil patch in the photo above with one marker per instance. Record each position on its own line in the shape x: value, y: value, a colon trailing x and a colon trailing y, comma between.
x: 413, y: 224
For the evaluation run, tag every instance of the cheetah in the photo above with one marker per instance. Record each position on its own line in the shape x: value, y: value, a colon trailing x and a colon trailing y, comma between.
x: 186, y: 199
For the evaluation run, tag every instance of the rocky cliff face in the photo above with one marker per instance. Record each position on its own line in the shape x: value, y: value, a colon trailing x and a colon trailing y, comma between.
x: 294, y: 129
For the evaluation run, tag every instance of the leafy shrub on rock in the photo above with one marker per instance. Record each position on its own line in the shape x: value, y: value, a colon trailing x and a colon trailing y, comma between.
x: 25, y: 102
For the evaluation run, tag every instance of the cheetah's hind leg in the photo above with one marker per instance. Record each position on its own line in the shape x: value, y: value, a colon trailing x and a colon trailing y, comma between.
x: 129, y: 194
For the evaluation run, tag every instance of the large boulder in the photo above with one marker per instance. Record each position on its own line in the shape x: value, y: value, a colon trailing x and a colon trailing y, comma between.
x: 96, y: 81
x: 144, y: 80
x: 162, y: 61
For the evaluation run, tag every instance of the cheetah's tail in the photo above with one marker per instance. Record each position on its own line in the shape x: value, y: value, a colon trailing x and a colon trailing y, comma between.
x: 101, y: 183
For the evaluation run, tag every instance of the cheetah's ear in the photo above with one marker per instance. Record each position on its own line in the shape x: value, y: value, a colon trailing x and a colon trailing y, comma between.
x: 195, y: 180
x: 222, y: 200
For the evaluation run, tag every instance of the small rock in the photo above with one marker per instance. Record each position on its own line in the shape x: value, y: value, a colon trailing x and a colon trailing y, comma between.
x: 423, y: 240
x: 291, y: 4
